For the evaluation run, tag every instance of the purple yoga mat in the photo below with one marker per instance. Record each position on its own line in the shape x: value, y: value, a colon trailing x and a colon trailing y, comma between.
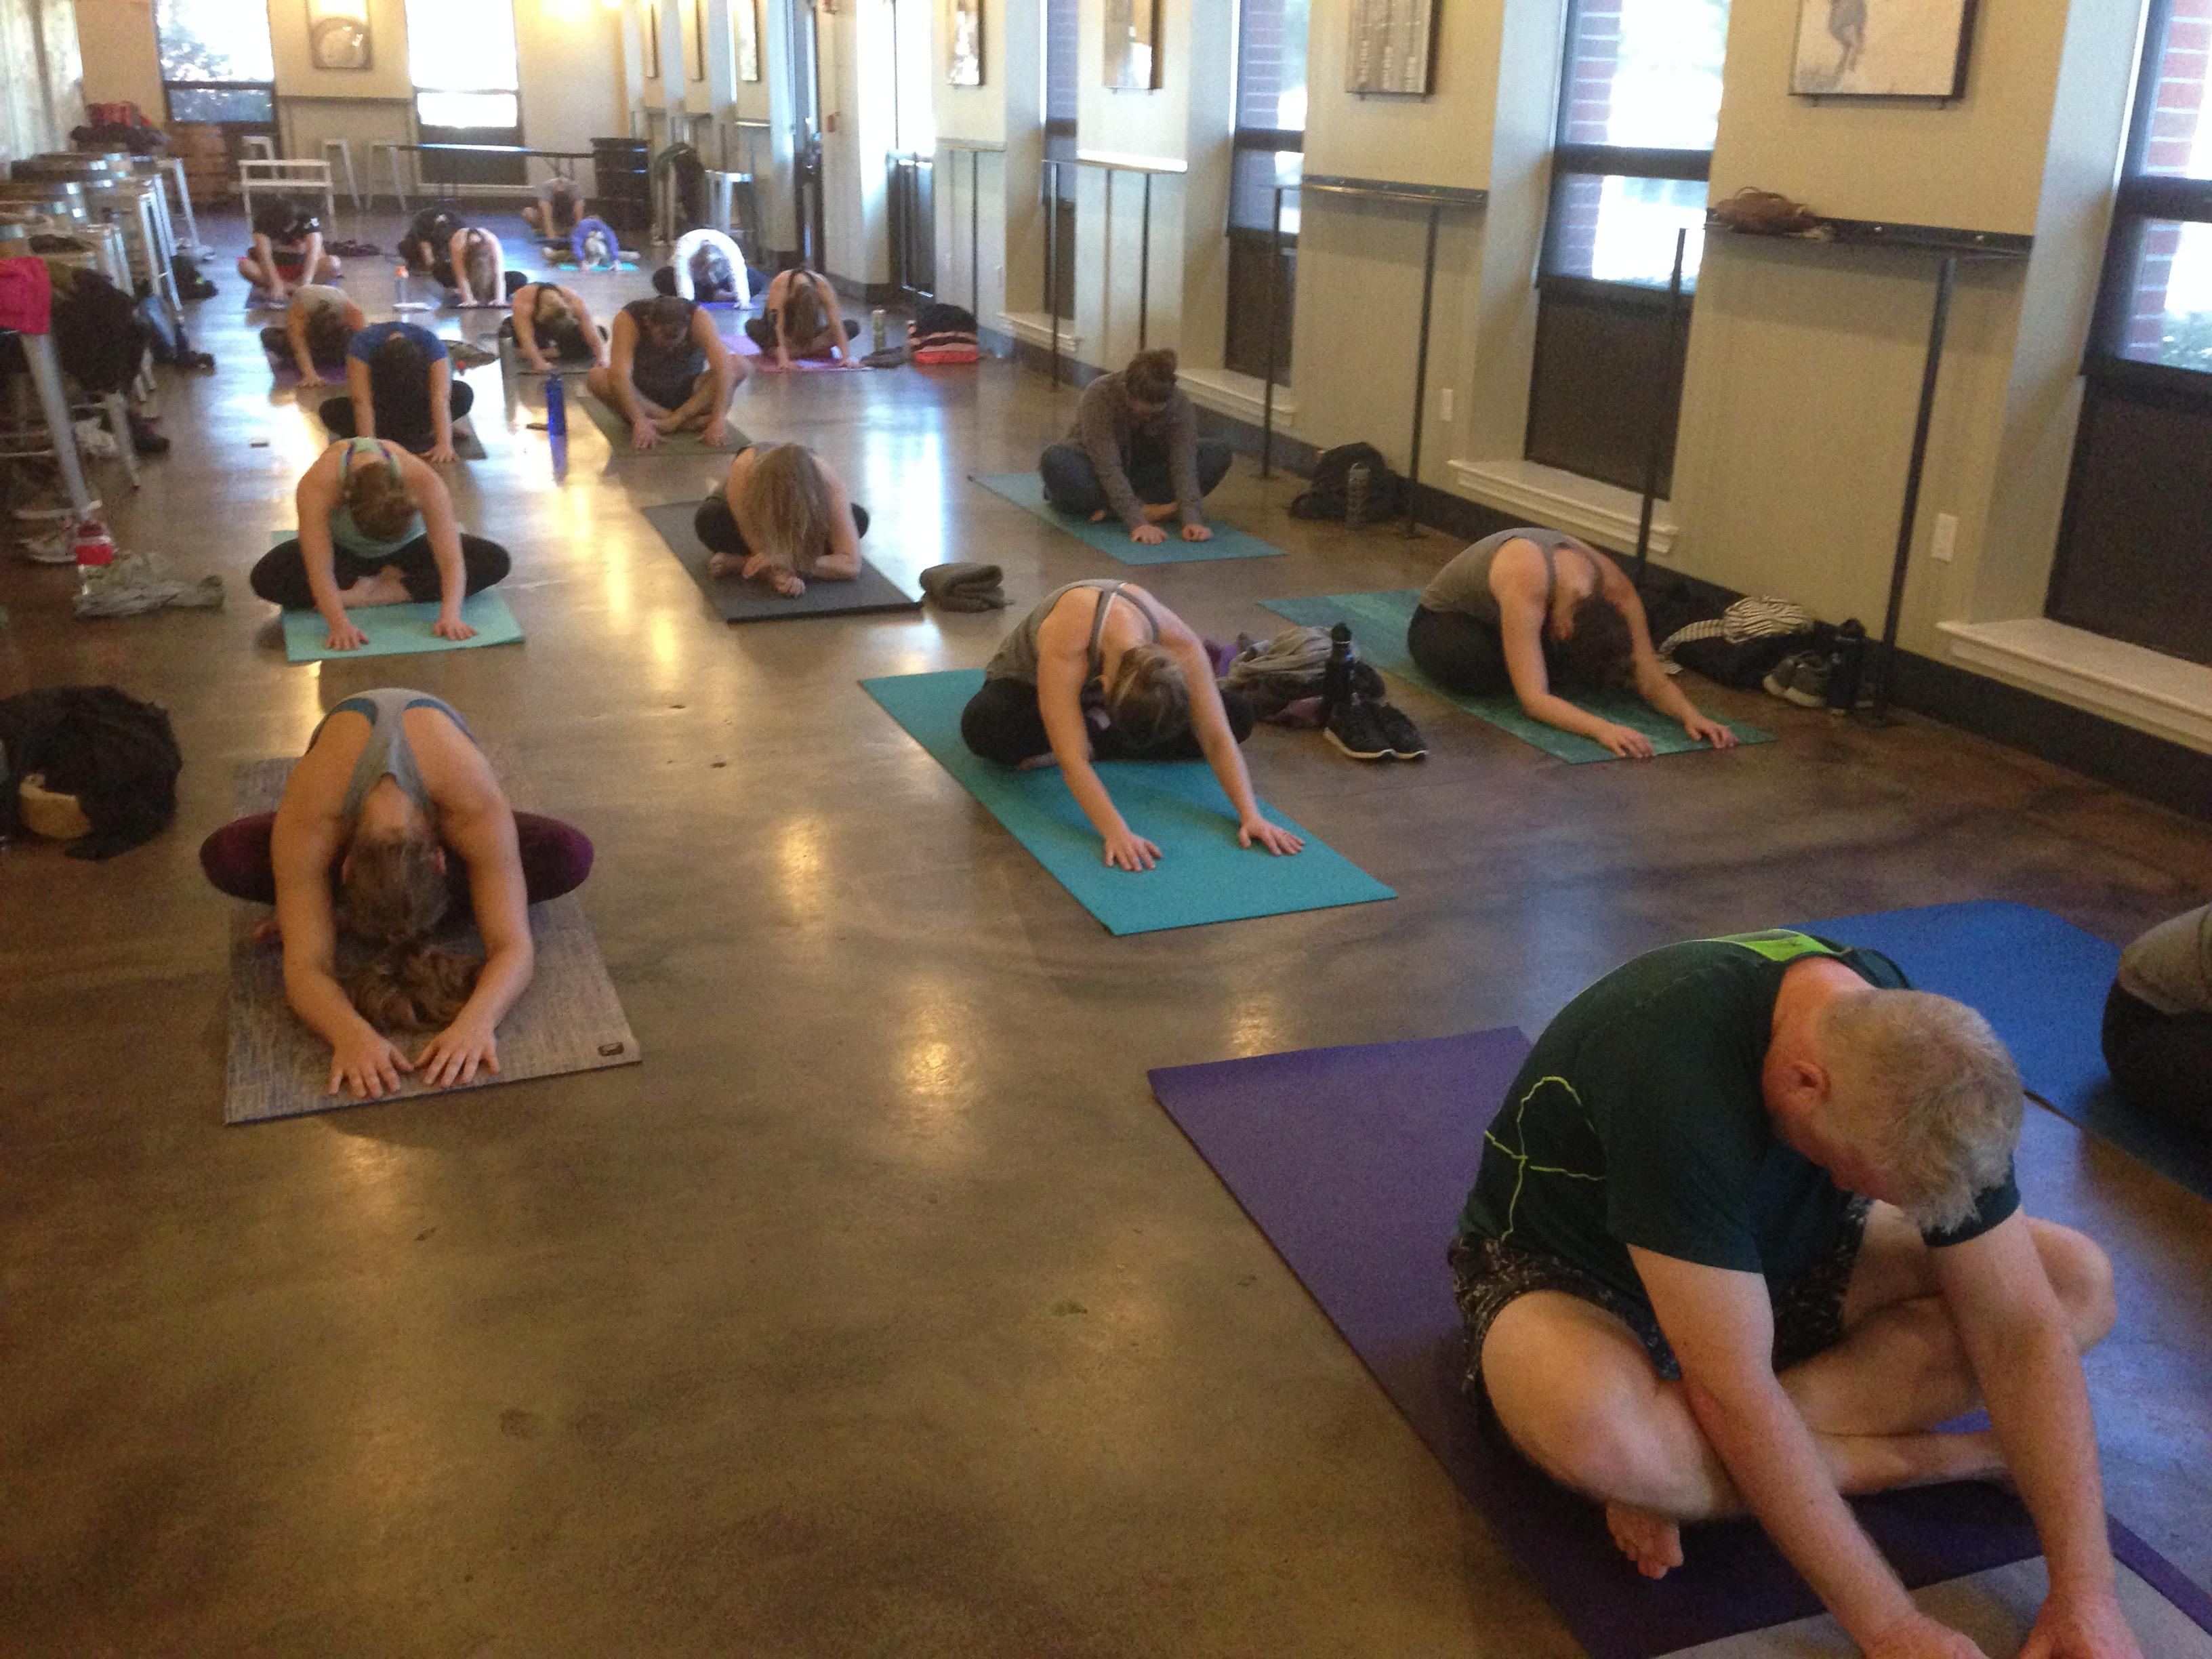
x: 1354, y: 1162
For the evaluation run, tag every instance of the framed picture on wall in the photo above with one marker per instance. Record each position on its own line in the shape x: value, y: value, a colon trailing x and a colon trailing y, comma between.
x: 652, y: 39
x: 1393, y: 47
x: 966, y: 43
x: 339, y: 36
x: 1132, y: 39
x: 695, y: 40
x: 1882, y: 48
x: 747, y: 22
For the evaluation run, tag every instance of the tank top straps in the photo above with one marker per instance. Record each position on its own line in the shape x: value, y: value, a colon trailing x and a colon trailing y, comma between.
x: 387, y: 753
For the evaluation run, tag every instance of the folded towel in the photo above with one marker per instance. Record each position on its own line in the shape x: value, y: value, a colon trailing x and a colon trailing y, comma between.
x: 964, y: 587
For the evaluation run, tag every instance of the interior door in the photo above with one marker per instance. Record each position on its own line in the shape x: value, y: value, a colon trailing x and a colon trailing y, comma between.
x: 806, y: 139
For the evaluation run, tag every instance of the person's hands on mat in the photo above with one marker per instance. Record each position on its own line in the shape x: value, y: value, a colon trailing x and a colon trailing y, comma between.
x: 366, y: 1065
x: 1150, y: 534
x: 1711, y: 730
x: 714, y: 432
x: 2087, y: 1626
x: 1273, y: 836
x: 1196, y: 532
x: 643, y: 434
x: 344, y: 636
x: 449, y: 626
x: 1126, y: 850
x: 309, y: 377
x: 441, y: 455
x: 1626, y: 741
x: 454, y: 1055
x: 1918, y: 1637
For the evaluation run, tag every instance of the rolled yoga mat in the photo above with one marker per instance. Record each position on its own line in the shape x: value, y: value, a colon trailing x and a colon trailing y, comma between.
x: 2041, y: 981
x: 1354, y: 1162
x: 569, y: 1018
x: 1203, y: 875
x: 616, y: 430
x: 1378, y: 624
x: 1111, y: 537
x: 739, y: 600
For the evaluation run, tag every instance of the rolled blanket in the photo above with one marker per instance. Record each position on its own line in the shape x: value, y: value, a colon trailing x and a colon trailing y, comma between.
x: 964, y: 587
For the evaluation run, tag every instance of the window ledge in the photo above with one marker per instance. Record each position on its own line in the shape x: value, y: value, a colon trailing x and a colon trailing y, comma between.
x: 1241, y: 396
x: 1035, y: 328
x: 2141, y: 687
x: 1602, y: 513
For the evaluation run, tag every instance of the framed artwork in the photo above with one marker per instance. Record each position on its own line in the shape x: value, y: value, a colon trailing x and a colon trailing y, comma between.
x: 652, y: 39
x: 338, y: 35
x: 1393, y: 47
x: 966, y: 43
x: 748, y: 21
x: 1132, y: 37
x: 1882, y: 48
x: 695, y: 40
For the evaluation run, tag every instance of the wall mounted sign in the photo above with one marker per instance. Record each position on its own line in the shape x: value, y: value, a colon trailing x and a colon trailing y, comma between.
x: 1132, y: 37
x: 339, y: 36
x: 1882, y: 48
x: 1393, y: 47
x: 966, y: 43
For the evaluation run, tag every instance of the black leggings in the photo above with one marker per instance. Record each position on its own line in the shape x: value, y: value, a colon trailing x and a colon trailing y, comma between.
x: 1003, y: 723
x: 1460, y: 652
x: 277, y: 343
x: 761, y: 331
x: 402, y: 416
x: 281, y: 578
x: 1070, y: 481
x: 2161, y: 1063
x: 715, y: 524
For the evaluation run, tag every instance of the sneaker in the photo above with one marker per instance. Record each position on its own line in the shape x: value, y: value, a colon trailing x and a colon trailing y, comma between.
x: 1366, y: 682
x: 1808, y: 683
x: 143, y: 439
x: 1355, y: 727
x: 1778, y: 677
x: 1400, y: 732
x: 57, y: 548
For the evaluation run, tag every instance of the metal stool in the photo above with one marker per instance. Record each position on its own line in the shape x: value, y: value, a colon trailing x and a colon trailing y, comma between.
x: 260, y: 144
x: 53, y: 404
x: 390, y: 148
x: 345, y: 149
x: 175, y: 169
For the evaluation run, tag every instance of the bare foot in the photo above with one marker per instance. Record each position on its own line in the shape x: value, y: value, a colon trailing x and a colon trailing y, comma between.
x: 1160, y: 511
x: 726, y: 564
x: 1038, y: 762
x: 1099, y: 517
x: 1651, y: 1541
x: 386, y: 587
x: 268, y: 932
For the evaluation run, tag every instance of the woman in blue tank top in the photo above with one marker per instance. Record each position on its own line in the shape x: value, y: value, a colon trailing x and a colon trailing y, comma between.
x: 391, y: 815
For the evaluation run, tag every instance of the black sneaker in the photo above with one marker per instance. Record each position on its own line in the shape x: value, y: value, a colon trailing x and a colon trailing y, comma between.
x: 1400, y: 732
x: 1355, y: 727
x: 1366, y: 682
x: 144, y: 438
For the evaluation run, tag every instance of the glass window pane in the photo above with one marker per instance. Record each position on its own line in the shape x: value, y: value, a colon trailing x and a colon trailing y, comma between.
x: 214, y: 40
x: 2180, y: 140
x: 2169, y: 318
x: 1645, y: 72
x: 214, y: 104
x: 467, y: 109
x: 1271, y: 64
x: 1252, y: 182
x: 463, y: 46
x: 1622, y: 230
x: 1062, y: 42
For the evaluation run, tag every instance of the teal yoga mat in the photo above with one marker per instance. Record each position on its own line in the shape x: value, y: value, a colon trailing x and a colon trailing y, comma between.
x: 1378, y: 623
x: 396, y: 630
x: 1203, y: 875
x: 1026, y: 491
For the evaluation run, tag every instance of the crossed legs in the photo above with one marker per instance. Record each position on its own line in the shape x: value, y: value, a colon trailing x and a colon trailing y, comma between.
x: 1579, y: 1395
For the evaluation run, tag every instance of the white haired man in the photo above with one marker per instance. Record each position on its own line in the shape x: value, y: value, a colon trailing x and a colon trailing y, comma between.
x: 1745, y: 1232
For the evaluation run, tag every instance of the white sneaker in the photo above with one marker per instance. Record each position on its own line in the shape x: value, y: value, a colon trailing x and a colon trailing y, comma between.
x: 57, y: 548
x: 96, y: 441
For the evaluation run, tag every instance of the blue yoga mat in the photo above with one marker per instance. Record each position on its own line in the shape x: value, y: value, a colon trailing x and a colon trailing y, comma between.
x: 1378, y: 623
x: 1203, y: 875
x: 1026, y: 491
x: 400, y: 630
x: 1354, y: 1162
x: 2041, y: 981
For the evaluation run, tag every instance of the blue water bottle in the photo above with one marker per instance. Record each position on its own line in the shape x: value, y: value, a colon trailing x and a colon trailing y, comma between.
x: 557, y: 408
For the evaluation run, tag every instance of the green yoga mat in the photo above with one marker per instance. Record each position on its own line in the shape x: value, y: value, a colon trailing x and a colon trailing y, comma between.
x: 616, y: 430
x: 396, y: 630
x: 1026, y: 491
x: 1203, y: 875
x: 1378, y: 624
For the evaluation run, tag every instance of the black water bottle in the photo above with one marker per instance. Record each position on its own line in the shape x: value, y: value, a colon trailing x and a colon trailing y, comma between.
x: 1359, y: 485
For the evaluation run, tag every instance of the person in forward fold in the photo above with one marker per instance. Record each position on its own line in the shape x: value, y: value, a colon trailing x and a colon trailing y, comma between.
x: 799, y: 318
x: 668, y: 370
x: 548, y: 317
x: 400, y: 385
x: 2158, y: 1023
x: 1100, y: 670
x: 556, y: 212
x: 286, y: 250
x: 1745, y: 1233
x: 319, y: 323
x: 782, y: 512
x: 1134, y: 454
x: 393, y: 818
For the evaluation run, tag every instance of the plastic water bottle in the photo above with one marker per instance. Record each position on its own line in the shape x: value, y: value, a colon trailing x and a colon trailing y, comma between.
x: 398, y: 286
x: 557, y: 407
x: 1358, y: 485
x: 882, y: 331
x: 95, y: 550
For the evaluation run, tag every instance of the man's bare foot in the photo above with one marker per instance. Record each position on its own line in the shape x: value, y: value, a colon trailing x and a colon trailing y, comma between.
x: 1651, y: 1541
x: 268, y: 932
x: 386, y: 587
x: 726, y: 564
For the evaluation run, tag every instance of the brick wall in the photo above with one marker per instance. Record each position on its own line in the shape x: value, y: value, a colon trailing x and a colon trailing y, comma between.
x: 2174, y: 116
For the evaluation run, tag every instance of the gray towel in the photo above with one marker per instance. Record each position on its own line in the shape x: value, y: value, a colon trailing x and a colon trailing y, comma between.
x: 964, y: 587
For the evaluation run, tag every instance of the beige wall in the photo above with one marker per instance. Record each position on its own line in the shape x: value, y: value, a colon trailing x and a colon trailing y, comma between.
x: 116, y: 38
x: 41, y: 92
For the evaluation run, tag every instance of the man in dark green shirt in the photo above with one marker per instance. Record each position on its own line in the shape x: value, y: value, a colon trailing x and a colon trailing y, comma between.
x: 1745, y: 1231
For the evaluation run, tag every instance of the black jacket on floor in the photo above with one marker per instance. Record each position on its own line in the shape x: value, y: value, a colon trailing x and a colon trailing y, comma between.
x: 117, y: 755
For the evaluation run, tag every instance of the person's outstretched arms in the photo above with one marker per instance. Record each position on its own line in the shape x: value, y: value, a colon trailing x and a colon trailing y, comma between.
x: 314, y: 500
x: 442, y: 412
x: 622, y: 360
x: 1209, y: 723
x: 725, y: 373
x: 436, y: 506
x: 303, y: 846
x: 1183, y: 467
x: 587, y: 322
x: 1063, y: 654
x: 1653, y: 684
x: 1521, y: 620
x: 296, y: 329
x: 843, y: 563
x: 827, y: 291
x: 1094, y: 421
x: 361, y: 392
x: 481, y: 832
x: 526, y: 327
x: 272, y: 279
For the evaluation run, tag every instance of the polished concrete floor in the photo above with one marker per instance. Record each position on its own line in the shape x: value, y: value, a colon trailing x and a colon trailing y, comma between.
x: 880, y: 1310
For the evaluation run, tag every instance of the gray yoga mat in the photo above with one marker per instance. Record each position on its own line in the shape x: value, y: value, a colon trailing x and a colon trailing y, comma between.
x: 568, y: 1020
x: 742, y: 601
x: 616, y: 430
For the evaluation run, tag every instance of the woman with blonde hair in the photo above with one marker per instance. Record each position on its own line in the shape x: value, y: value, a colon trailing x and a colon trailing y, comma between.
x: 391, y: 816
x: 1102, y: 671
x: 782, y: 512
x: 549, y: 319
x: 376, y: 528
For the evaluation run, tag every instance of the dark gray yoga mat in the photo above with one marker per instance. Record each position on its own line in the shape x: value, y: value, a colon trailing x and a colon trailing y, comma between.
x: 738, y: 600
x: 568, y: 1020
x: 1354, y: 1162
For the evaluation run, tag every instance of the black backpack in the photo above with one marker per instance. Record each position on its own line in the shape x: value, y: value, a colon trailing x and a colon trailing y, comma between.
x: 1325, y: 499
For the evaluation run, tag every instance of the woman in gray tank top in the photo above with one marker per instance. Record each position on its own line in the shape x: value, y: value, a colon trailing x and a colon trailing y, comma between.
x: 1528, y: 609
x: 391, y: 815
x: 1100, y: 670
